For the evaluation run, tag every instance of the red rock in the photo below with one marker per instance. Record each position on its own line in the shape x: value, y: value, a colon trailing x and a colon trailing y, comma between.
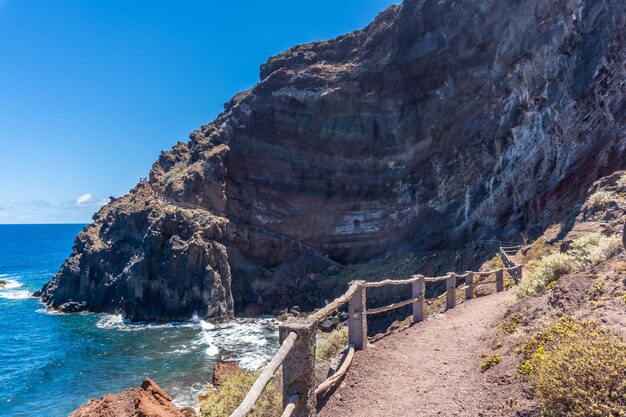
x: 148, y: 400
x: 220, y: 370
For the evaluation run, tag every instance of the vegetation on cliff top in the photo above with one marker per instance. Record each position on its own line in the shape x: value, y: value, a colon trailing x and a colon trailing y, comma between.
x: 586, y: 251
x: 576, y: 369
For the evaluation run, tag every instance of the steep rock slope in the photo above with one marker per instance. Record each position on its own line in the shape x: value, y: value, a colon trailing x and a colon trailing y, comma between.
x: 438, y: 122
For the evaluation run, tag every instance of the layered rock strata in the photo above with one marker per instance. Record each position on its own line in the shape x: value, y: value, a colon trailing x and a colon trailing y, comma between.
x: 437, y: 123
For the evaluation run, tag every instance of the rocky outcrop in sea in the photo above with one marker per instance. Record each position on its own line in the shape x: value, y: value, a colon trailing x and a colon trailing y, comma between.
x: 438, y: 123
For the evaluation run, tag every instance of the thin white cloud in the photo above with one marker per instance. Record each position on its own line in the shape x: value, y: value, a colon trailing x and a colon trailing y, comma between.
x: 84, y: 200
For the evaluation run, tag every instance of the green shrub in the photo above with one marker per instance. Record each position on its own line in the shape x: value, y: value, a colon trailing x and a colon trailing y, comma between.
x: 594, y: 248
x: 597, y: 290
x: 331, y: 344
x: 223, y: 401
x: 176, y: 170
x: 599, y: 200
x: 576, y: 369
x: 490, y: 362
x: 539, y: 249
x: 549, y: 268
x: 512, y: 323
x: 586, y: 251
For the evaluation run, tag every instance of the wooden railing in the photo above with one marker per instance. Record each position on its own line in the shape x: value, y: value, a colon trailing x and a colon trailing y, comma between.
x: 297, y: 336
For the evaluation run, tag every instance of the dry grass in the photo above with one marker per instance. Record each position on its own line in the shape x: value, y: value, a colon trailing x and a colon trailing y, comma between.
x: 620, y: 267
x: 576, y: 369
x: 233, y: 389
x: 331, y: 344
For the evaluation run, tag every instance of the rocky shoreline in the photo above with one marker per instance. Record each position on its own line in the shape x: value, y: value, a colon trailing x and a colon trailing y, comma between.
x: 147, y: 400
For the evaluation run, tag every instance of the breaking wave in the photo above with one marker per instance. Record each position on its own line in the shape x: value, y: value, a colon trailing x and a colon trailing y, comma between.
x: 9, y: 291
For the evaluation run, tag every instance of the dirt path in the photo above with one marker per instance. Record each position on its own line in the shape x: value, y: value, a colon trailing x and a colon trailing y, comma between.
x: 431, y: 369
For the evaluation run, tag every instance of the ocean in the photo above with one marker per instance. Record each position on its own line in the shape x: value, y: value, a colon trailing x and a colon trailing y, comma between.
x: 51, y: 363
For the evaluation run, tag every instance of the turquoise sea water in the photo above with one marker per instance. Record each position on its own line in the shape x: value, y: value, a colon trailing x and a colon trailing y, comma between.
x: 52, y: 363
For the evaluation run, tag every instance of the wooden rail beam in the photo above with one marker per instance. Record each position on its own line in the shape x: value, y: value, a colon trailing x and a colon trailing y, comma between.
x: 331, y: 380
x: 391, y: 306
x: 288, y: 341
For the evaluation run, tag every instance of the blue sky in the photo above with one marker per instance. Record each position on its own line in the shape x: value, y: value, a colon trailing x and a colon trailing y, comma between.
x: 92, y: 90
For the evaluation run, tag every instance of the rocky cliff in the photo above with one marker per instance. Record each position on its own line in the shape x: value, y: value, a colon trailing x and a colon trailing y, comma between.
x: 439, y: 122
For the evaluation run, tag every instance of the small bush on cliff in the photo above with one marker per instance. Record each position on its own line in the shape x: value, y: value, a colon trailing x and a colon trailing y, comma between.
x: 586, y: 251
x: 174, y: 172
x: 511, y: 324
x: 576, y: 369
x: 330, y: 345
x: 223, y: 401
x: 549, y: 268
x: 599, y: 200
x: 597, y: 290
x: 490, y: 362
x: 594, y: 248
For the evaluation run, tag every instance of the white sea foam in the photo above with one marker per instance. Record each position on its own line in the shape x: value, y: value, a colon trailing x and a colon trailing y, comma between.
x: 15, y: 295
x: 251, y: 342
x: 117, y: 322
x: 185, y: 396
x: 51, y: 312
x: 212, y: 350
x: 10, y: 283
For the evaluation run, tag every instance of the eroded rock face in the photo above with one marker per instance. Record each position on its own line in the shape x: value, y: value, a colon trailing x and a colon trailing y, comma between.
x: 147, y: 261
x: 148, y: 400
x: 437, y: 123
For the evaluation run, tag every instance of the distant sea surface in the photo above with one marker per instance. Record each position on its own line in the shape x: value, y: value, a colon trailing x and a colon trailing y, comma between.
x: 51, y: 363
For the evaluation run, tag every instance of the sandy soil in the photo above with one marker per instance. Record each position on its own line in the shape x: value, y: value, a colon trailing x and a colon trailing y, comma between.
x: 431, y: 369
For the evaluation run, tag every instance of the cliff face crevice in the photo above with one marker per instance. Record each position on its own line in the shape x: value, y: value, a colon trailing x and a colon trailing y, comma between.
x: 437, y: 123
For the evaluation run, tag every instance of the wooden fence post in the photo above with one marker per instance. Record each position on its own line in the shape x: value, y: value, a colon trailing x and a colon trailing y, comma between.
x: 357, y: 320
x: 299, y: 367
x: 500, y: 280
x: 451, y: 290
x: 418, y: 290
x: 469, y: 283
